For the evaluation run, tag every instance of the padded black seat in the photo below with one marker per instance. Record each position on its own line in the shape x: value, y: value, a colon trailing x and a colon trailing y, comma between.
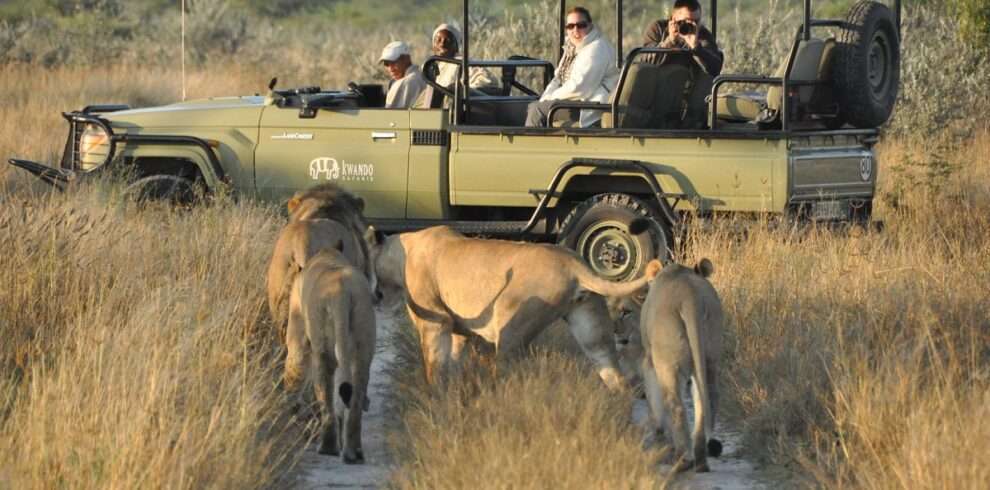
x: 652, y: 97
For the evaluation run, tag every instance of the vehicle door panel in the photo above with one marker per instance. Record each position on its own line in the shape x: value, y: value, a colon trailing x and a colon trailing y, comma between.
x: 363, y: 150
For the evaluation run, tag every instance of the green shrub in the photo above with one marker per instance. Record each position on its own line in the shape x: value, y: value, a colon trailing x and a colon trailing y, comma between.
x: 974, y: 21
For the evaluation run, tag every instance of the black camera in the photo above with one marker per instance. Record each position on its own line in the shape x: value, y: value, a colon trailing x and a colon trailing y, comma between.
x: 686, y: 27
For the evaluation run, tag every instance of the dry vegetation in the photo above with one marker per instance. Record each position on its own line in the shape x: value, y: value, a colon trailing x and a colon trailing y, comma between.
x: 134, y: 350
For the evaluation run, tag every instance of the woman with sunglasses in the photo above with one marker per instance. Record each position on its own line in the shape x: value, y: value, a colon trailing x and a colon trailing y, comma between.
x: 587, y: 71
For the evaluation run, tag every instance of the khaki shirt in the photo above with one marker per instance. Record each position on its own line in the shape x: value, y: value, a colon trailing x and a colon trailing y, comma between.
x: 480, y: 77
x: 402, y: 93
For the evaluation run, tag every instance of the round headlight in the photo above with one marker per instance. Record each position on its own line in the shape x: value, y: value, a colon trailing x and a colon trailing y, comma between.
x: 94, y: 146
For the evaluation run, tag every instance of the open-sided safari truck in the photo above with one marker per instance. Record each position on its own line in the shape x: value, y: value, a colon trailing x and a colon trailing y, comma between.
x: 800, y: 147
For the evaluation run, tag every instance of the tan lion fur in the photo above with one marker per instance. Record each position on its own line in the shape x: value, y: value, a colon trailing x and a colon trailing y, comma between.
x: 321, y: 217
x: 503, y: 292
x: 679, y: 338
x: 331, y: 333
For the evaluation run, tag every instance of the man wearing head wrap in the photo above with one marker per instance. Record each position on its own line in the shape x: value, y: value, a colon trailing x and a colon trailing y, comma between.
x: 446, y: 43
x: 586, y: 72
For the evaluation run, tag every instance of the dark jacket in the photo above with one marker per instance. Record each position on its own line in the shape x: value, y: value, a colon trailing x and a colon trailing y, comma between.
x: 705, y: 53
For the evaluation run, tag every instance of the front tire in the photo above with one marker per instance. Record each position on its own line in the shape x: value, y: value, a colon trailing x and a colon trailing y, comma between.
x: 171, y: 189
x: 598, y: 230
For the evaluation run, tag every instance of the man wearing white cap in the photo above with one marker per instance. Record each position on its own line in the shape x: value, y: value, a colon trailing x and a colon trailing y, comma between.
x: 407, y: 81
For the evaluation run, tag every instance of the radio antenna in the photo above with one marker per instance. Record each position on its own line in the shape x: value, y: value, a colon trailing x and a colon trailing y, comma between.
x: 183, y: 48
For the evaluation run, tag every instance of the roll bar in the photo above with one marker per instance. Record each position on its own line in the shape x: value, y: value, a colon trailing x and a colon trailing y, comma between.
x: 804, y: 34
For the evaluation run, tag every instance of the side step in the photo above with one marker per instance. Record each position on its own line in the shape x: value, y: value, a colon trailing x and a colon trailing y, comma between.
x: 497, y: 228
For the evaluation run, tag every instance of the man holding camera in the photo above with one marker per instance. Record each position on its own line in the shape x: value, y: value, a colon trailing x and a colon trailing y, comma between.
x: 684, y: 30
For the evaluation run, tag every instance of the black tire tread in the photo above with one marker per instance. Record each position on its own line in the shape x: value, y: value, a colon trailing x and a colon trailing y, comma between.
x: 849, y: 69
x: 623, y: 202
x: 136, y: 189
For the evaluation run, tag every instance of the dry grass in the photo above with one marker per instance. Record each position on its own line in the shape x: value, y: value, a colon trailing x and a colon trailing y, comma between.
x: 133, y: 350
x: 544, y: 421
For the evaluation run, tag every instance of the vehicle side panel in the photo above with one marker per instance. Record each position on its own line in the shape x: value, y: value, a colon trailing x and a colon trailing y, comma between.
x: 722, y: 174
x: 428, y: 178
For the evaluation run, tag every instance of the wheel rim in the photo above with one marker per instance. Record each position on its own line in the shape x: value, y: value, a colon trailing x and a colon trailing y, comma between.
x: 609, y: 250
x: 878, y: 70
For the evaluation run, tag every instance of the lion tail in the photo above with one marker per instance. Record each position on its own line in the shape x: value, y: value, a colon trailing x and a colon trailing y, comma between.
x: 590, y: 281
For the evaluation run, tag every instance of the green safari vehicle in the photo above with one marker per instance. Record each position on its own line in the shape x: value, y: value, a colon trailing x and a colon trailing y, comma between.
x: 800, y: 147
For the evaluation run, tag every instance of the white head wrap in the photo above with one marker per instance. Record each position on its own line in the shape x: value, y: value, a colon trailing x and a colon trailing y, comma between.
x: 452, y: 30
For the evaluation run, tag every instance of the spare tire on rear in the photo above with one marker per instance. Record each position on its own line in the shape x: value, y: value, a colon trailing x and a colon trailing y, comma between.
x: 867, y: 66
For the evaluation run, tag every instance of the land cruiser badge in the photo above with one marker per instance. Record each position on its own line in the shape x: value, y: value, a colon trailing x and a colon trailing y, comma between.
x: 293, y: 136
x: 330, y: 169
x: 866, y: 168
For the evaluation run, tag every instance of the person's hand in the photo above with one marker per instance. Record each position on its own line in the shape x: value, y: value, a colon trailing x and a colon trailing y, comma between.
x: 691, y: 40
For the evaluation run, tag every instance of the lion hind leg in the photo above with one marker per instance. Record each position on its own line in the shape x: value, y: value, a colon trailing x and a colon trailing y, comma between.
x: 653, y: 396
x: 698, y: 438
x: 297, y: 350
x: 318, y: 325
x: 674, y: 421
x: 324, y: 367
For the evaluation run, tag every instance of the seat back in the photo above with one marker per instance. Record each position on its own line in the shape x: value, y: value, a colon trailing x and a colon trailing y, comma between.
x: 811, y: 63
x: 651, y: 97
x: 635, y: 97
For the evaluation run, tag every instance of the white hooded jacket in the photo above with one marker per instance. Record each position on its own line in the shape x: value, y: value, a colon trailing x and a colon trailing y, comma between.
x: 593, y: 76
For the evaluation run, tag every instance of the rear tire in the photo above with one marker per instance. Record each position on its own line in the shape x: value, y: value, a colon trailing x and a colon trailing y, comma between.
x: 598, y: 230
x: 866, y: 70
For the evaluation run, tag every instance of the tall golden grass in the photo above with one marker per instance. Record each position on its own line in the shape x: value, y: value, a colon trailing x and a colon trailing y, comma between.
x: 134, y: 350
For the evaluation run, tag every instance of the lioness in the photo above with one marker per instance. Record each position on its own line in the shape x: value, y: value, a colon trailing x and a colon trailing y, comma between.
x: 321, y: 217
x: 680, y: 330
x: 504, y: 292
x: 331, y: 325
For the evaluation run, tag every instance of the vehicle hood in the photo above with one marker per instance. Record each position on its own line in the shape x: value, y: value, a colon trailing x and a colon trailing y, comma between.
x: 211, y: 112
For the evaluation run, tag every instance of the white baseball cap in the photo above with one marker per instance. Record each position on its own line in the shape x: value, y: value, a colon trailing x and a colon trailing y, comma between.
x: 394, y: 50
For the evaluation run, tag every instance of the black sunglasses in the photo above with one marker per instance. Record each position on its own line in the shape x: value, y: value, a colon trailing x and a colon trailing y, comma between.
x: 579, y: 25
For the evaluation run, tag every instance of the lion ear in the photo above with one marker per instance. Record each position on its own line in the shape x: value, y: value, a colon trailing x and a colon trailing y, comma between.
x: 293, y: 204
x: 653, y: 268
x: 704, y: 268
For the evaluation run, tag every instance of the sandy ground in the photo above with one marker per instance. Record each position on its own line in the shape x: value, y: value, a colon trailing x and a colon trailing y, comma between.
x: 316, y: 471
